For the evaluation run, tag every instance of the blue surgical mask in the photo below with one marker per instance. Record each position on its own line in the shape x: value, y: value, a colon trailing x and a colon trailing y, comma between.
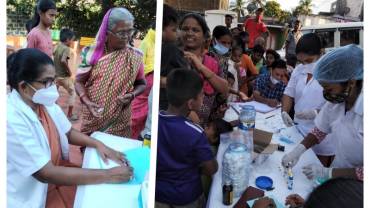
x: 220, y: 49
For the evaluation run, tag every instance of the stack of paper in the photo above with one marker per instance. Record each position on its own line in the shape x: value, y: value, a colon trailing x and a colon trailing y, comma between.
x: 260, y: 107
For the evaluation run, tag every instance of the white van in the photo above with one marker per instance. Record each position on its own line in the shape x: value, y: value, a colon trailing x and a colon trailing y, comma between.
x: 338, y: 34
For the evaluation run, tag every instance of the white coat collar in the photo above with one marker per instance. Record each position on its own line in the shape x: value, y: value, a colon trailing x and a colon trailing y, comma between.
x: 17, y: 101
x: 358, y: 108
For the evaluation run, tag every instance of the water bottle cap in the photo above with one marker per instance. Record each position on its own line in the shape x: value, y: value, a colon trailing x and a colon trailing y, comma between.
x: 264, y: 182
x: 247, y: 107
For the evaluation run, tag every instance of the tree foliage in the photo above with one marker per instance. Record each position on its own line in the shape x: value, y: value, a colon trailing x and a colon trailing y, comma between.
x: 143, y: 10
x: 25, y: 7
x: 273, y: 9
x: 304, y: 8
x: 239, y: 7
x: 82, y: 17
x: 259, y: 3
x: 85, y: 16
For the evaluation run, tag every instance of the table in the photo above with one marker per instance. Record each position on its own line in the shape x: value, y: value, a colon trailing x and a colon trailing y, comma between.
x: 107, y: 195
x: 271, y: 167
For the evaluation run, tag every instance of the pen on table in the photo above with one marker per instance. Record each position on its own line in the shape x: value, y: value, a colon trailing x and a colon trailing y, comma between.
x: 270, y: 116
x: 299, y: 130
x: 236, y: 111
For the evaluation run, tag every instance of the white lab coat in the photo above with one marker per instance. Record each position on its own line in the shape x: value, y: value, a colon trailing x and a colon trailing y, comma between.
x: 28, y: 151
x: 347, y: 129
x: 308, y: 96
x: 232, y: 70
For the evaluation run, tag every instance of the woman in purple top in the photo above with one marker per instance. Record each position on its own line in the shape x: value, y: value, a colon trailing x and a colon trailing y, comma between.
x: 40, y: 36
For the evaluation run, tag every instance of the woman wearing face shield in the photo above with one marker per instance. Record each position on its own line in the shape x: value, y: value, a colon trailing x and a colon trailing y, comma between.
x: 340, y: 73
x: 305, y: 93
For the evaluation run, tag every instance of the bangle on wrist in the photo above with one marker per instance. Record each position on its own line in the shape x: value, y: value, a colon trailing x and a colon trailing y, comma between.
x: 82, y: 96
x: 210, y: 77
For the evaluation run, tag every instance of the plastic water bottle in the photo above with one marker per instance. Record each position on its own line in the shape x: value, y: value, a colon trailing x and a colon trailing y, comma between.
x: 247, y: 117
x: 236, y: 167
x: 247, y: 120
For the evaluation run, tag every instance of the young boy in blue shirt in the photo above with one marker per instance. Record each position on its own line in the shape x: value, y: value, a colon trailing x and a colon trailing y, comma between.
x: 183, y: 151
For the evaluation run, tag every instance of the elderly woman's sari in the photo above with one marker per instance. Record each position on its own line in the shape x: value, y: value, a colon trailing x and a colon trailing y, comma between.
x: 109, y: 76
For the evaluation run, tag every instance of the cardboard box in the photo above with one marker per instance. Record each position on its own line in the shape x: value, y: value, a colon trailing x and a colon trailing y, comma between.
x: 262, y: 146
x: 262, y: 142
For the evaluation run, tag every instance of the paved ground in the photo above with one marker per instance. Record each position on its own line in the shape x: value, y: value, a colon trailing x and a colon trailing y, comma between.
x: 75, y: 153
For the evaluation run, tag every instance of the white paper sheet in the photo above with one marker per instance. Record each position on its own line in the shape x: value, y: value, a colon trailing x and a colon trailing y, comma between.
x: 260, y: 107
x: 107, y: 195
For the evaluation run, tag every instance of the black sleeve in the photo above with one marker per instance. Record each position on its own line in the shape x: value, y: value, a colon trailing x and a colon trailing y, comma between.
x: 172, y: 58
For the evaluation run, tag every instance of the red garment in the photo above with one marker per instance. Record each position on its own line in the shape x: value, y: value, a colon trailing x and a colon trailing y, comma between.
x: 40, y: 40
x: 212, y: 65
x: 140, y: 108
x: 254, y: 29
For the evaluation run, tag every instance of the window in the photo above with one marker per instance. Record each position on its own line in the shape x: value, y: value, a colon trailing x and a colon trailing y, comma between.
x: 327, y: 37
x: 349, y: 36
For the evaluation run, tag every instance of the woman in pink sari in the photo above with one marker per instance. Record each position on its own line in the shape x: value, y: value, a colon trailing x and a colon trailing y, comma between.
x: 111, y: 76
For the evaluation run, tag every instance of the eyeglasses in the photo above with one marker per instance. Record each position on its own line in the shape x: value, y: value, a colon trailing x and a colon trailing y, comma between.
x: 47, y: 83
x: 123, y: 33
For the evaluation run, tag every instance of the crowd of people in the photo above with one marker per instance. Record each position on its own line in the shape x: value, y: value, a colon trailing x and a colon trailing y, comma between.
x: 113, y: 82
x: 202, y: 71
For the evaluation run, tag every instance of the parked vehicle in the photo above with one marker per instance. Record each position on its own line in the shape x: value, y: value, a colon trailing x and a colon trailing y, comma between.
x: 335, y: 35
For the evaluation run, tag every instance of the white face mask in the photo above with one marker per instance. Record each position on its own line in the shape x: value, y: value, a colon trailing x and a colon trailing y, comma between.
x: 45, y: 96
x: 273, y: 80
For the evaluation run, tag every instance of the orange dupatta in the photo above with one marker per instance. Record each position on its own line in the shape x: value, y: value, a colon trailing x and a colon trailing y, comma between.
x: 58, y: 196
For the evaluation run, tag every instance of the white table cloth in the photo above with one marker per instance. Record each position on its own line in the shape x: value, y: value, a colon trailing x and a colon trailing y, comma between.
x: 272, y: 166
x: 107, y: 195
